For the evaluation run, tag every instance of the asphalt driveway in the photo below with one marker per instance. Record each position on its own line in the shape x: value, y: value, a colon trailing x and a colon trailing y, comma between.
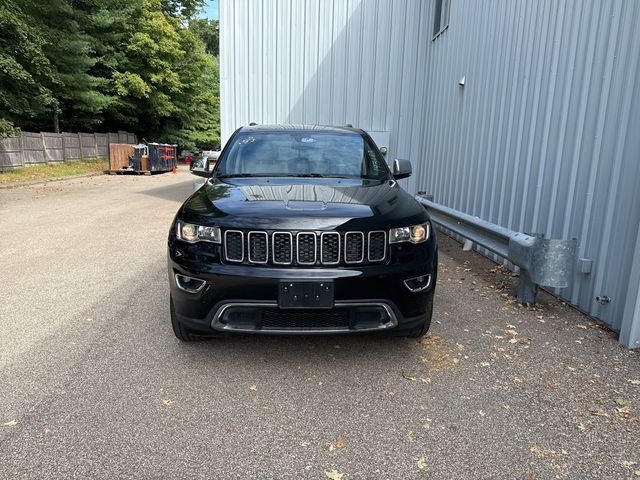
x: 93, y: 383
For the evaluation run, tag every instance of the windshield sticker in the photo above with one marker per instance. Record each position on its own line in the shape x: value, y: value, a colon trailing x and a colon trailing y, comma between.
x: 247, y: 140
x: 307, y: 140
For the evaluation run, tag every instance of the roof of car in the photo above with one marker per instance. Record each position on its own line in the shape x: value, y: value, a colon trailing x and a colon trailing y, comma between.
x: 294, y: 127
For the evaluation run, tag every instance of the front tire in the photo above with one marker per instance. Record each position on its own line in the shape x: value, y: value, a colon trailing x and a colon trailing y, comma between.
x: 422, y: 329
x: 179, y: 330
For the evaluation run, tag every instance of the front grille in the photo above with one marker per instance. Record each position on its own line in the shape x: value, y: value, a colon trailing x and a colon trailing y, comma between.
x: 354, y: 247
x: 305, y: 248
x: 234, y: 245
x: 274, y: 318
x: 377, y: 246
x: 330, y: 248
x: 258, y: 251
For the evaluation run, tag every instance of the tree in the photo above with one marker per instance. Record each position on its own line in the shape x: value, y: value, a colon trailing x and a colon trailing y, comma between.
x: 140, y: 65
x: 79, y: 101
x: 182, y: 8
x: 165, y: 80
x: 208, y: 32
x: 25, y: 70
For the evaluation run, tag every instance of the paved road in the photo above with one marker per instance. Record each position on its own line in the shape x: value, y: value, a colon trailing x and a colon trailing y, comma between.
x: 93, y: 383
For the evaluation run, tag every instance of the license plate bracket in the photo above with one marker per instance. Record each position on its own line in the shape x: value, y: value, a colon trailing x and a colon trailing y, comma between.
x: 317, y: 294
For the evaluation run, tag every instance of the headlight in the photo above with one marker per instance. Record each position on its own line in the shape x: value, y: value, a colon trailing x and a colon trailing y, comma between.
x: 191, y: 233
x: 415, y: 234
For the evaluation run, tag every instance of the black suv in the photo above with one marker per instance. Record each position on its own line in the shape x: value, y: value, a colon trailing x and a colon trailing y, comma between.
x: 301, y: 229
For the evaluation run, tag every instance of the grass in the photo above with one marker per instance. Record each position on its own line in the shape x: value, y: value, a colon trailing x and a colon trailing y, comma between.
x: 43, y: 172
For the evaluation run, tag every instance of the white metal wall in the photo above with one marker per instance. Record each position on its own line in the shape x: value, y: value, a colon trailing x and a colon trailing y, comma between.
x: 543, y: 138
x: 545, y: 135
x: 328, y: 62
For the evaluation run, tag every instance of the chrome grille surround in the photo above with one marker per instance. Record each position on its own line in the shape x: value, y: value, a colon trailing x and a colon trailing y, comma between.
x: 276, y: 255
x: 384, y: 246
x: 328, y: 235
x: 255, y: 236
x: 226, y: 248
x: 304, y: 249
x: 346, y: 248
x: 311, y: 248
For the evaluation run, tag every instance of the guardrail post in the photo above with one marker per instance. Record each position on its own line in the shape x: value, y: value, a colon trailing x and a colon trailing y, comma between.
x: 527, y: 288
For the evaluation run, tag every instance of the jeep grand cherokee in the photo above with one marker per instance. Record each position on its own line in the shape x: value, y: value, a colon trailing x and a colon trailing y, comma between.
x: 301, y: 229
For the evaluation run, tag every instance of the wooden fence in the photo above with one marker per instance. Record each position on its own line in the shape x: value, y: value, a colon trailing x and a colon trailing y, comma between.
x: 43, y: 148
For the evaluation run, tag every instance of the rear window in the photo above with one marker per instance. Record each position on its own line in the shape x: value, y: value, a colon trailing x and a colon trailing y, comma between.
x: 302, y: 153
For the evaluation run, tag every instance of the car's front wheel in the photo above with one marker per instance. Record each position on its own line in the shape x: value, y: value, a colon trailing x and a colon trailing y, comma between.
x: 180, y: 331
x: 422, y: 329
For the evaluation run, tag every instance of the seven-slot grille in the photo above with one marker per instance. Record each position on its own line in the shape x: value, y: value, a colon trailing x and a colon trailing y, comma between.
x: 305, y: 248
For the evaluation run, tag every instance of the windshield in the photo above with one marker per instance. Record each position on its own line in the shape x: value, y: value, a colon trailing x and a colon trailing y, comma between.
x: 302, y: 153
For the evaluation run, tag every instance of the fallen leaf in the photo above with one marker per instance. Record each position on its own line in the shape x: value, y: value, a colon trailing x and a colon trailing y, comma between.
x: 12, y: 423
x: 167, y: 402
x: 623, y: 410
x: 511, y: 332
x: 637, y: 473
x: 628, y: 463
x: 634, y: 382
x: 408, y: 376
x: 621, y: 402
x: 481, y: 413
x: 456, y: 360
x: 253, y: 388
x: 599, y: 412
x: 340, y: 442
x: 422, y: 463
x: 513, y: 340
x: 410, y: 436
x: 333, y: 475
x: 425, y: 380
x: 552, y: 386
x: 540, y: 452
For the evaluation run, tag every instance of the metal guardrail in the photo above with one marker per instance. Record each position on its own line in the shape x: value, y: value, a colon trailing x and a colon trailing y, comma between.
x: 543, y: 262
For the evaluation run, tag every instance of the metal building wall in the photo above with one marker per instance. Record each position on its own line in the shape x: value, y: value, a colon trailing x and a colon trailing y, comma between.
x: 326, y: 62
x: 543, y: 138
x: 545, y: 135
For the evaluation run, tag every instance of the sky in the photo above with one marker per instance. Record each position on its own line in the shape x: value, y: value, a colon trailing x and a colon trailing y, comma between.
x: 211, y: 9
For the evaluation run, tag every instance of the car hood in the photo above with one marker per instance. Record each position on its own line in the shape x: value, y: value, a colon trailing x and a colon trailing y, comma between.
x: 301, y: 204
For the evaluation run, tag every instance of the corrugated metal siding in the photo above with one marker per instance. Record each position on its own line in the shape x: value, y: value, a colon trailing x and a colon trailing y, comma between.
x: 326, y: 62
x: 543, y: 138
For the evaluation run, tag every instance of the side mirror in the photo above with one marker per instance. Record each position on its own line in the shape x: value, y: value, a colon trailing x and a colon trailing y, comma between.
x: 200, y: 167
x: 384, y: 151
x: 401, y: 169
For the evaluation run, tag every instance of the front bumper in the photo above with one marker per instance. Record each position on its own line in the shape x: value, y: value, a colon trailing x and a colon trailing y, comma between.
x: 244, y: 298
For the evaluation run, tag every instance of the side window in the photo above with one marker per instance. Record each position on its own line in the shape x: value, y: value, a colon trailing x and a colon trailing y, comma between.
x: 441, y: 17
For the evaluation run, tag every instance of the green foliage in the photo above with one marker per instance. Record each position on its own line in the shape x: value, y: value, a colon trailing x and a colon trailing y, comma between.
x: 142, y: 65
x: 25, y: 70
x: 207, y: 30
